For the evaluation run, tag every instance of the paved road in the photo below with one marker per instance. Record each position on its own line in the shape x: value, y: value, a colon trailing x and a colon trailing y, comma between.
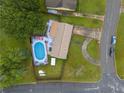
x: 55, y: 88
x: 109, y: 82
x: 110, y: 25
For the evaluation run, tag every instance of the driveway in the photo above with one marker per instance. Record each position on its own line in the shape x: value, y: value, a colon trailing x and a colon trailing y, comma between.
x: 86, y: 54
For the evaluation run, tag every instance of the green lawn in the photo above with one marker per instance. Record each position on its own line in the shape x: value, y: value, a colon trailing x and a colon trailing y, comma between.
x: 29, y: 76
x: 52, y: 72
x: 81, y: 21
x: 123, y: 3
x: 76, y: 67
x: 94, y: 49
x: 119, y: 50
x: 10, y: 43
x: 91, y: 6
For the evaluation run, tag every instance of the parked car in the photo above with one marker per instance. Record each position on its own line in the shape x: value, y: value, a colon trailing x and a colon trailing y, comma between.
x: 111, y: 51
x: 113, y: 40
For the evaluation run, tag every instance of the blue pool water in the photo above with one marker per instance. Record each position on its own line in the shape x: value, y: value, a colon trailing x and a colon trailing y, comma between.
x: 39, y: 50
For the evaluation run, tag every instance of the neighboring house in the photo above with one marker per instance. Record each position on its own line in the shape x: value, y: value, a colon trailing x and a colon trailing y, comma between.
x: 69, y: 5
x: 60, y: 34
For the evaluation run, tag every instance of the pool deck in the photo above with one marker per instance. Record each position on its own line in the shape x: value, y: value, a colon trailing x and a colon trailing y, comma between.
x: 35, y: 40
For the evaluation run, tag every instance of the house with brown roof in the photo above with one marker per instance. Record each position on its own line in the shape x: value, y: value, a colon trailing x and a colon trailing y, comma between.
x: 69, y: 5
x: 60, y: 34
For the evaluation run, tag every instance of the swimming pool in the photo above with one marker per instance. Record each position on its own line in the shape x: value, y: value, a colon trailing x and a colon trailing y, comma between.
x: 39, y: 50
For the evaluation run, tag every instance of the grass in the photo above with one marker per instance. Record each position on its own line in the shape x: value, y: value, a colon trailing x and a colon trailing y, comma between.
x: 91, y: 6
x: 81, y: 21
x: 123, y: 3
x: 94, y: 49
x: 119, y: 50
x: 52, y: 72
x: 10, y: 43
x: 76, y: 67
x: 28, y: 76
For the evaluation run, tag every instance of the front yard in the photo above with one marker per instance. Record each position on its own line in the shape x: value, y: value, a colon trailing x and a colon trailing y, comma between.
x: 91, y: 6
x: 119, y: 54
x: 76, y: 67
x: 81, y: 21
x: 94, y: 49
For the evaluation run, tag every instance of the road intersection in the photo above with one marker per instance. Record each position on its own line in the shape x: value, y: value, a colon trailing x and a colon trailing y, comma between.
x: 109, y: 82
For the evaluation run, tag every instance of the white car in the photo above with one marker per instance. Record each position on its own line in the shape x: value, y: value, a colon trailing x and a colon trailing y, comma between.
x: 113, y: 40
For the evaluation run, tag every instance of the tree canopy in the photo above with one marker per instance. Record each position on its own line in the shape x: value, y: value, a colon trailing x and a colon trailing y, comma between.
x: 21, y: 18
x: 12, y: 65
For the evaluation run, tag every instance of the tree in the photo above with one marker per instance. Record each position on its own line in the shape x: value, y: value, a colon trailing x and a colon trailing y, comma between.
x: 21, y: 18
x: 12, y: 66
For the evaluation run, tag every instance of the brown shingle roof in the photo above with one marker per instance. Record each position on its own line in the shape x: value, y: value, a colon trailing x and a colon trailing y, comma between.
x: 53, y: 29
x: 61, y: 39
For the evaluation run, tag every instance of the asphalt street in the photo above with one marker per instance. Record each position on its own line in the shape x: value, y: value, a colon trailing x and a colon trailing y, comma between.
x: 109, y: 29
x: 109, y: 82
x: 55, y: 88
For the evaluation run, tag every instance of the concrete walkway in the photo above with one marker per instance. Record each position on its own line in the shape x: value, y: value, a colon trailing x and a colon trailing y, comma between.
x: 122, y: 7
x: 86, y: 54
x: 92, y: 16
x: 77, y: 14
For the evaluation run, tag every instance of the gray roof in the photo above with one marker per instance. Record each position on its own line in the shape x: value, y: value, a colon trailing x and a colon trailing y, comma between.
x: 70, y: 4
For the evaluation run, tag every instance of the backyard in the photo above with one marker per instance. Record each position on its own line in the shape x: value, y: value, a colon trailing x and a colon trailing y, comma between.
x: 119, y: 54
x: 77, y: 69
x: 52, y: 72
